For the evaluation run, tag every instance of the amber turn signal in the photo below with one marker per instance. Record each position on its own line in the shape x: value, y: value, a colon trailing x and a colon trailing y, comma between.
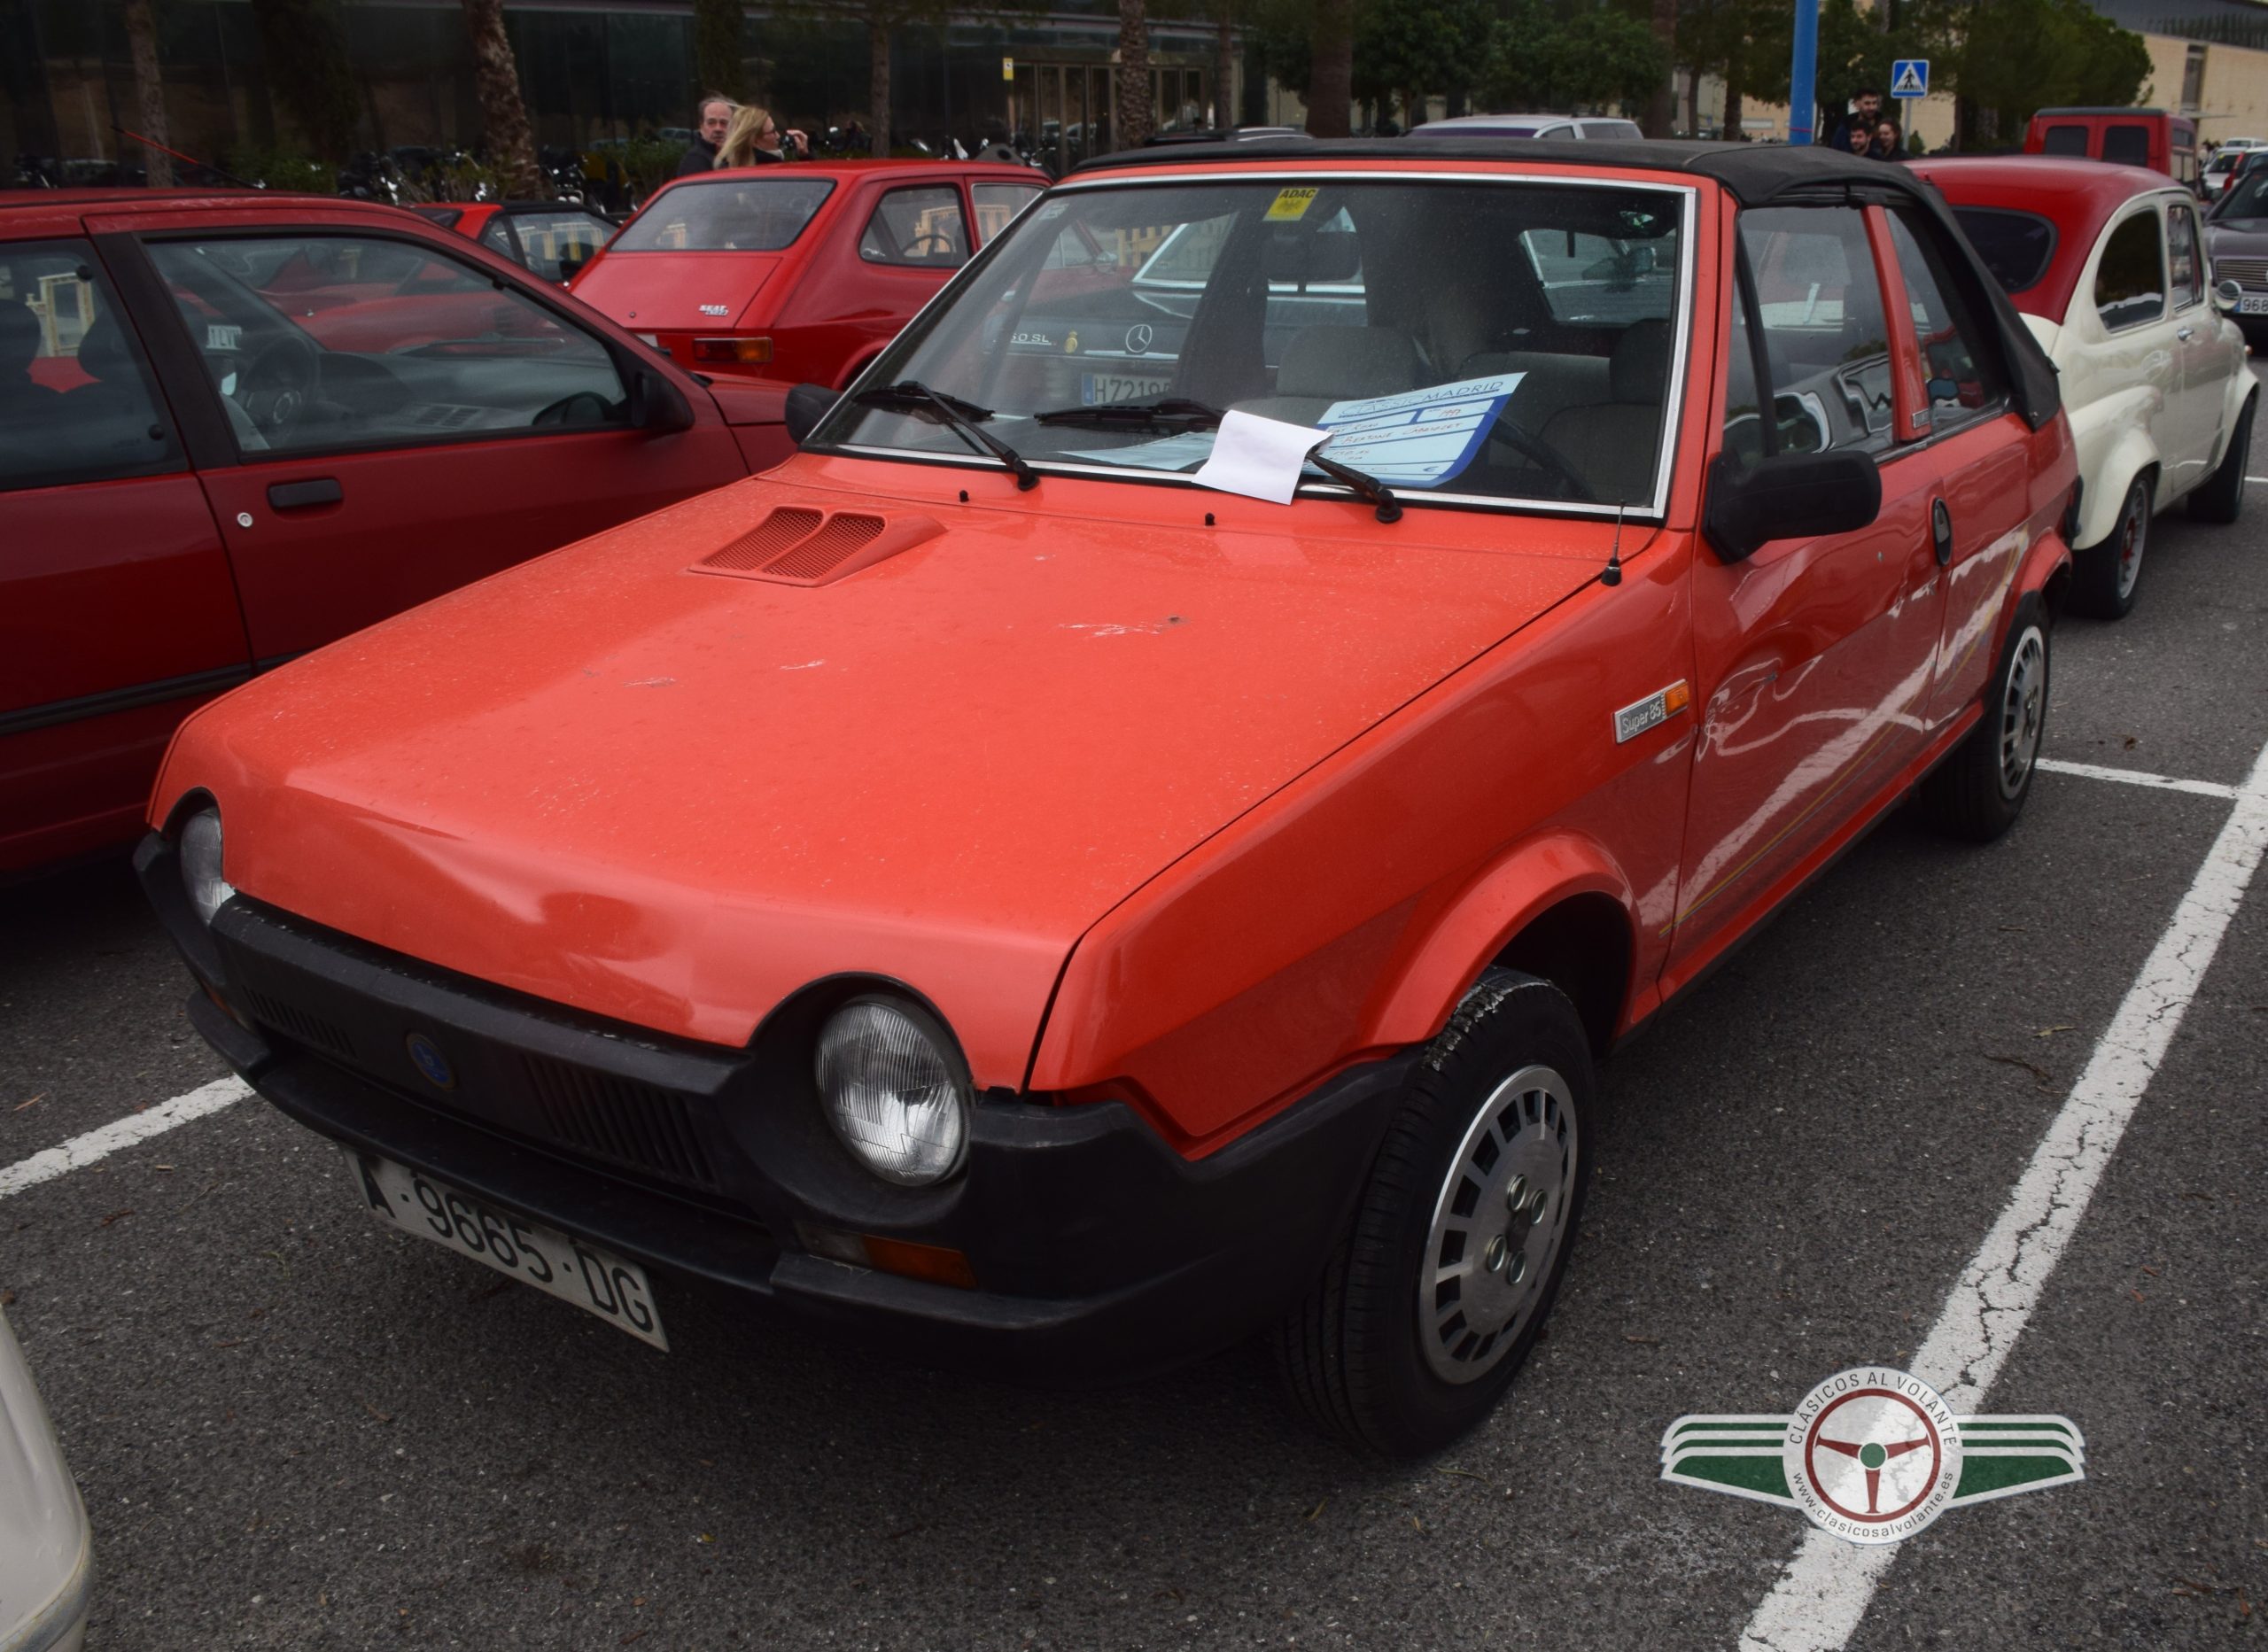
x: 745, y: 352
x: 939, y: 1264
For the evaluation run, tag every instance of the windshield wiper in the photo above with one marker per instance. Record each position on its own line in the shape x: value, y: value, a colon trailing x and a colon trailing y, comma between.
x: 1365, y: 487
x: 913, y: 396
x: 1145, y: 416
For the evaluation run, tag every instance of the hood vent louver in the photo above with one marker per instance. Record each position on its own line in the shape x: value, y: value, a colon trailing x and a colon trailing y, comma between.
x: 797, y: 545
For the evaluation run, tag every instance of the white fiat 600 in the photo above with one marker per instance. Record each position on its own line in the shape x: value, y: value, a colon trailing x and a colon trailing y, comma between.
x: 2108, y: 265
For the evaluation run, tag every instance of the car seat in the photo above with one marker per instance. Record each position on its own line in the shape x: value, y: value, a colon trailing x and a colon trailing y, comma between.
x: 1612, y: 443
x: 1323, y: 364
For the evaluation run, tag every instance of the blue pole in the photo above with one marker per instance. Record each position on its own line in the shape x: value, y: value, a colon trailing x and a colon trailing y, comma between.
x: 1803, y: 73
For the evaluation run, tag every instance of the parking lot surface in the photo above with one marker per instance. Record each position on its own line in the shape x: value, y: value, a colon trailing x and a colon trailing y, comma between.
x: 294, y: 1430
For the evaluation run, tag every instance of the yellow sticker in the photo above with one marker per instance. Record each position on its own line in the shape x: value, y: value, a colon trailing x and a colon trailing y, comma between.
x: 1071, y: 344
x: 1290, y: 206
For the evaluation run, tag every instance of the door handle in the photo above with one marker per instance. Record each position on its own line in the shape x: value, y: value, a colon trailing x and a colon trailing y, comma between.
x: 301, y: 495
x: 1941, y: 531
x: 2186, y: 334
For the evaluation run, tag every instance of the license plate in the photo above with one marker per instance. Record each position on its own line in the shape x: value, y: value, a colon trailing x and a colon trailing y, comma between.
x: 1098, y: 390
x: 2249, y: 305
x: 592, y: 1277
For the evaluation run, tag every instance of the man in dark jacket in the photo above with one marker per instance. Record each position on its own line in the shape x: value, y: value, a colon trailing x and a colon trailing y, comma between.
x: 1865, y: 116
x: 716, y: 115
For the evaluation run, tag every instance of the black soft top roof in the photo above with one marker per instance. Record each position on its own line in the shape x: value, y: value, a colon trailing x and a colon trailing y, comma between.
x: 1755, y: 174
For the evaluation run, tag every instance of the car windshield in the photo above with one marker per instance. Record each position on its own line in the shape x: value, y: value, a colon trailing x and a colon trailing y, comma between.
x: 734, y: 213
x: 1479, y: 341
x: 2016, y: 246
x: 2248, y: 199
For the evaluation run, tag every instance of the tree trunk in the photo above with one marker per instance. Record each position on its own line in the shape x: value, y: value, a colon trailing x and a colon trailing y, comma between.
x: 149, y: 92
x: 1661, y: 108
x: 1134, y: 123
x: 878, y: 81
x: 1224, y: 69
x: 1330, y: 79
x: 511, y: 146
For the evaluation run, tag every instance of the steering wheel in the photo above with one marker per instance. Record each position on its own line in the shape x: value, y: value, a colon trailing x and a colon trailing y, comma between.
x: 1543, y: 456
x: 274, y: 386
x: 584, y: 407
x: 943, y: 243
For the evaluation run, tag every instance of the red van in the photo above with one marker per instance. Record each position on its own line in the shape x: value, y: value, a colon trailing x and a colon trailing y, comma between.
x: 2156, y: 138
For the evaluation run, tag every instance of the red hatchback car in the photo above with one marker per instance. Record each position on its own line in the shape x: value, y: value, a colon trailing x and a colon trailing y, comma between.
x: 1059, y: 883
x: 800, y: 273
x: 235, y: 427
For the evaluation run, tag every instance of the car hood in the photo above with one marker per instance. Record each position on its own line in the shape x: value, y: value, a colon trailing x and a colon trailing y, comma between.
x: 672, y: 797
x: 675, y: 291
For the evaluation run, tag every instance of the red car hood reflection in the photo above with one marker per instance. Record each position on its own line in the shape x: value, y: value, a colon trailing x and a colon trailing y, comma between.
x: 675, y: 291
x: 673, y: 798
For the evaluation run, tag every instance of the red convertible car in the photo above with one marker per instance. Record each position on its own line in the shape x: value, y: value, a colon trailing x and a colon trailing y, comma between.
x: 552, y: 238
x: 798, y: 273
x: 1071, y: 883
x: 235, y: 427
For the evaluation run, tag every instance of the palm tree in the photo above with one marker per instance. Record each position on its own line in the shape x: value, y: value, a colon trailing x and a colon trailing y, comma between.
x: 1134, y: 97
x: 149, y: 90
x: 511, y: 146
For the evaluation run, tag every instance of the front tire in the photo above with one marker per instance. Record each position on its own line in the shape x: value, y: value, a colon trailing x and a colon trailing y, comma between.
x: 2221, y: 496
x: 2104, y: 575
x: 1434, y: 1297
x: 1978, y: 791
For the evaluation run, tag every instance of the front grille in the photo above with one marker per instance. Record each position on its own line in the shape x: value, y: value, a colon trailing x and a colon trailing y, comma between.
x: 318, y: 1032
x: 634, y: 1125
x: 2245, y: 272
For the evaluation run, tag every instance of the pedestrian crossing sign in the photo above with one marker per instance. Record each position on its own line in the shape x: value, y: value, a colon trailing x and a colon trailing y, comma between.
x: 1909, y: 77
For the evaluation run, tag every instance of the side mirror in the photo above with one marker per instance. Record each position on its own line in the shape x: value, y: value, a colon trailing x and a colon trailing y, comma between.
x: 2226, y: 295
x: 1788, y: 496
x: 807, y: 404
x: 656, y: 406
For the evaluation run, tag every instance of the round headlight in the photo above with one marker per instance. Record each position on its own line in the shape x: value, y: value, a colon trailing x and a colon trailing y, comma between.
x: 893, y: 1092
x: 200, y: 863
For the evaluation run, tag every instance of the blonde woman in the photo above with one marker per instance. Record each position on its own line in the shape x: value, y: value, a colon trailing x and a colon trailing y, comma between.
x: 755, y: 139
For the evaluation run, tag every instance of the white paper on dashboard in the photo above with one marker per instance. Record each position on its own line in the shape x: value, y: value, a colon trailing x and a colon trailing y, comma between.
x: 1420, y: 438
x: 1168, y: 453
x: 1259, y: 458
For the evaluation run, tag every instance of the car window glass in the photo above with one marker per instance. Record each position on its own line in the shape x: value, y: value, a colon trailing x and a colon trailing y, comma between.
x: 997, y: 202
x: 740, y: 213
x: 551, y: 239
x: 2016, y: 247
x: 2126, y: 143
x: 1957, y: 360
x: 76, y: 400
x: 2064, y: 140
x: 1824, y: 329
x: 2181, y: 252
x: 2247, y: 197
x: 497, y: 237
x: 1591, y: 278
x: 378, y: 343
x: 2130, y: 282
x: 921, y: 226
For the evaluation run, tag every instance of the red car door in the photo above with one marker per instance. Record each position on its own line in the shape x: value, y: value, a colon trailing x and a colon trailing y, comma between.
x: 1813, y: 657
x: 442, y: 420
x: 117, y: 613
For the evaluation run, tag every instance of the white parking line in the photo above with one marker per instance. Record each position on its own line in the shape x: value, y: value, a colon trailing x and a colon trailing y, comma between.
x: 81, y: 1150
x: 2135, y: 777
x: 1823, y: 1593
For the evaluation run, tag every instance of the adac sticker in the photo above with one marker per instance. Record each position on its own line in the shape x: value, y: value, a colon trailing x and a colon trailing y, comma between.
x: 1290, y: 206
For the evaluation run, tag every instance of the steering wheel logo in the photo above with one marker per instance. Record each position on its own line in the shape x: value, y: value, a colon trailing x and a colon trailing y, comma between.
x: 1872, y: 1455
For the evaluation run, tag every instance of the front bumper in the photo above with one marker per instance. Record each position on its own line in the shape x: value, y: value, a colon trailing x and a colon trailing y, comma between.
x: 1098, y: 1252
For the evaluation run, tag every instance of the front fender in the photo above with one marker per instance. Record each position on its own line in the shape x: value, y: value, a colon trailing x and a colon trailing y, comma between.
x: 1507, y: 895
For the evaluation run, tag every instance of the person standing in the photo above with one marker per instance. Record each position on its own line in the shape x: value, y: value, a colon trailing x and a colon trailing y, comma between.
x: 755, y: 140
x: 716, y: 117
x: 1888, y: 145
x: 1866, y: 114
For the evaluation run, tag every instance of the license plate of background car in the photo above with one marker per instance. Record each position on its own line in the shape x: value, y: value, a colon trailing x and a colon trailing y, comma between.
x: 1098, y: 390
x: 2249, y: 305
x: 592, y: 1277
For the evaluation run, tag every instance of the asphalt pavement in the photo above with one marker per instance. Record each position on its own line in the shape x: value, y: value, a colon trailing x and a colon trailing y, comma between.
x: 295, y: 1430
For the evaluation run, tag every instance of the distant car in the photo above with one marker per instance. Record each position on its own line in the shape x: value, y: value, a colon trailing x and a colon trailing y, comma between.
x: 798, y: 273
x: 553, y: 240
x: 2236, y: 240
x: 46, y: 1550
x: 1591, y: 127
x: 2244, y: 164
x: 234, y: 427
x: 2156, y: 138
x: 2106, y: 266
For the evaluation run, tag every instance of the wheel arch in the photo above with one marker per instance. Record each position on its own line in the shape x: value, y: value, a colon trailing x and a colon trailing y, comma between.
x: 2130, y: 455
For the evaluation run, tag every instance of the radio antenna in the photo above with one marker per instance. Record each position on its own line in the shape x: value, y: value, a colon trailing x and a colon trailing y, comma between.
x: 1611, y: 574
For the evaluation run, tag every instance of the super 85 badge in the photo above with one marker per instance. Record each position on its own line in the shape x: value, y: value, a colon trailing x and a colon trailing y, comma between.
x: 1872, y: 1454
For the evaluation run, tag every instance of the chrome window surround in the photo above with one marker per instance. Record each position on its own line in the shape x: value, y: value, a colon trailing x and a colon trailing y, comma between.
x: 1675, y: 388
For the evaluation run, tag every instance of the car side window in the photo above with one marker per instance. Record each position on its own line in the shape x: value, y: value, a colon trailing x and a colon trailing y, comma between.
x: 2130, y: 282
x: 2127, y: 144
x: 558, y: 244
x: 1825, y: 334
x: 997, y: 205
x: 1958, y: 360
x: 920, y: 227
x: 76, y: 399
x: 2188, y: 269
x: 2064, y: 140
x: 497, y: 237
x: 320, y: 342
